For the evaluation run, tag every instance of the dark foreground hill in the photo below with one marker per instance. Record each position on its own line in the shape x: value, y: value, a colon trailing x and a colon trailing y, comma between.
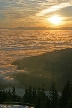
x: 52, y: 66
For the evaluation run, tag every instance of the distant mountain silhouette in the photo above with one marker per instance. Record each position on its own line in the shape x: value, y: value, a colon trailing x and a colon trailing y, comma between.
x: 51, y: 66
x: 41, y: 28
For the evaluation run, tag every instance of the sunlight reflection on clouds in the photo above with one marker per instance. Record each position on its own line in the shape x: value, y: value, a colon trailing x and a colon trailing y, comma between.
x: 15, y: 13
x: 16, y: 44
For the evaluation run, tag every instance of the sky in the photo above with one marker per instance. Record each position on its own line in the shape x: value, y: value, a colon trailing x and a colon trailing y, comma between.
x: 34, y: 13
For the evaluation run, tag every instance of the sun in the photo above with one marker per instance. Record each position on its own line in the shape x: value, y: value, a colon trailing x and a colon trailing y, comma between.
x: 56, y: 20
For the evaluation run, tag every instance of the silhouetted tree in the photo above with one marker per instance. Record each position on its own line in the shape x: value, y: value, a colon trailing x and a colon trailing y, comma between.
x: 0, y: 96
x: 34, y: 96
x: 43, y: 98
x: 53, y: 95
x: 48, y: 102
x: 30, y: 94
x: 9, y: 96
x: 69, y: 105
x: 4, y: 96
x: 38, y: 98
x: 66, y: 95
x: 13, y: 94
x: 25, y: 97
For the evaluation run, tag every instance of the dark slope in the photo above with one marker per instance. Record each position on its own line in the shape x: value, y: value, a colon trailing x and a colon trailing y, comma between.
x: 56, y: 65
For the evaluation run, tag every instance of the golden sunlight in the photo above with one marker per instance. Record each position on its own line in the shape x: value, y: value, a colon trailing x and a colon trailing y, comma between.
x: 56, y: 20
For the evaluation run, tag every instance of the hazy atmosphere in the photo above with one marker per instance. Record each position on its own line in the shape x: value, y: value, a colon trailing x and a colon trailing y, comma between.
x: 29, y: 28
x: 34, y: 13
x: 36, y: 53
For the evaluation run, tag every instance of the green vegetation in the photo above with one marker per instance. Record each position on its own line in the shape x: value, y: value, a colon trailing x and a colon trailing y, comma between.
x: 8, y: 96
x: 52, y: 66
x: 56, y: 61
x: 38, y: 98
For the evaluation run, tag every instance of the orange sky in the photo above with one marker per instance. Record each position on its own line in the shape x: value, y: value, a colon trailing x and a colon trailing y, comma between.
x: 34, y: 13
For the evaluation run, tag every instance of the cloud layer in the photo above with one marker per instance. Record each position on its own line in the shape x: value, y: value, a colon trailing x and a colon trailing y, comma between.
x: 53, y: 8
x: 24, y: 12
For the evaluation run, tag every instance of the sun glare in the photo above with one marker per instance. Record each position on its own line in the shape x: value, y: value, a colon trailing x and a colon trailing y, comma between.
x: 56, y: 20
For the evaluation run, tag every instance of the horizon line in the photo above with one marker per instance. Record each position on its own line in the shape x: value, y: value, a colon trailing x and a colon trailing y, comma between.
x: 40, y: 28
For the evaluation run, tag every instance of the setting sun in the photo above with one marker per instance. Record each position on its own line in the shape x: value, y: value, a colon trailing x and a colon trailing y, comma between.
x: 56, y: 20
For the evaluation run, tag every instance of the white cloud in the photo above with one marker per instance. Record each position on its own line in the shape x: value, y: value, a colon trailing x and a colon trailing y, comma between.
x: 23, y: 10
x: 53, y: 8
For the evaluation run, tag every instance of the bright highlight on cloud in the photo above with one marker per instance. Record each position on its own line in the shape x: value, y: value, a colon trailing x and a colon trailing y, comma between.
x: 53, y: 8
x: 24, y: 13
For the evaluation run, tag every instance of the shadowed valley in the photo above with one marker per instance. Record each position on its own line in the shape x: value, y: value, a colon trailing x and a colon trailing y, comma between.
x: 46, y: 68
